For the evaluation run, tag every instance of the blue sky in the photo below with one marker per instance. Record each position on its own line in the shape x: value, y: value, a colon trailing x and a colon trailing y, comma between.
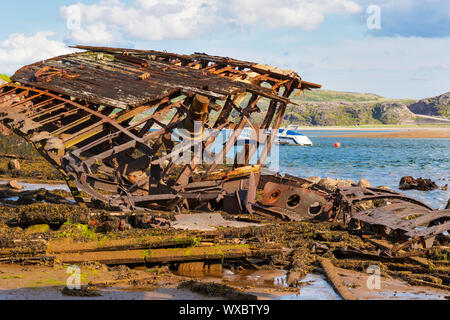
x: 325, y: 41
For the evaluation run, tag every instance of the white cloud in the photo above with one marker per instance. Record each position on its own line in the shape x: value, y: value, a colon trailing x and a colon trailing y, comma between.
x: 420, y: 78
x: 94, y: 33
x: 184, y: 19
x: 19, y: 50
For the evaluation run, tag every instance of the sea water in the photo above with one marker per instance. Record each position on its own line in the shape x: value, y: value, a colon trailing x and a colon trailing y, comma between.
x: 380, y: 161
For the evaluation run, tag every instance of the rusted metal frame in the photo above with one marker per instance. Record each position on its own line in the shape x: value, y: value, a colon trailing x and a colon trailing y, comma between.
x: 435, y: 215
x: 41, y: 104
x: 58, y: 116
x: 181, y: 195
x: 161, y: 110
x: 71, y: 125
x: 266, y: 124
x: 6, y: 103
x: 172, y: 154
x: 274, y: 131
x: 83, y: 134
x: 280, y: 83
x: 221, y: 123
x: 275, y: 75
x: 7, y: 92
x: 159, y: 123
x: 82, y: 184
x: 148, y: 122
x: 175, y: 119
x: 99, y: 141
x: 393, y: 196
x: 225, y: 113
x: 265, y: 95
x: 394, y: 224
x: 270, y: 212
x: 406, y: 231
x: 269, y: 115
x: 243, y: 158
x: 102, y: 184
x: 96, y: 128
x: 46, y: 111
x: 183, y: 177
x: 130, y: 114
x: 270, y: 140
x: 206, y: 139
x: 222, y: 70
x: 237, y: 131
x: 95, y: 113
x: 171, y: 166
x: 118, y: 149
x: 26, y: 100
x: 193, y: 64
x: 268, y: 120
x: 214, y: 66
x: 430, y: 231
x: 279, y: 118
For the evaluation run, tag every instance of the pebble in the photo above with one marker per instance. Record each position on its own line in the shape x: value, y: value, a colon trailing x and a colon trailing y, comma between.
x: 14, y: 184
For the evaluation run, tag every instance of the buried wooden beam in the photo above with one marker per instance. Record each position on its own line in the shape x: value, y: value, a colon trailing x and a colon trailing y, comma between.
x: 70, y: 246
x: 336, y: 280
x: 167, y: 255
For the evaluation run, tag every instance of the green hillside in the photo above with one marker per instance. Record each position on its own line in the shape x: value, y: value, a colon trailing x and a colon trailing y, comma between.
x: 5, y: 77
x: 330, y: 95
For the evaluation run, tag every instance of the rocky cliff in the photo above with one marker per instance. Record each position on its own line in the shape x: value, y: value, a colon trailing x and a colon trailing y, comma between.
x: 436, y: 106
x: 348, y: 114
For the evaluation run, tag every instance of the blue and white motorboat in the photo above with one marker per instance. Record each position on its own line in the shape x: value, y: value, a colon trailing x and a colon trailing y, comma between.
x: 292, y: 136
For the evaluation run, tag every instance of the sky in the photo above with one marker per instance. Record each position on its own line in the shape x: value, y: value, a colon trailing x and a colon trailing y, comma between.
x: 394, y: 48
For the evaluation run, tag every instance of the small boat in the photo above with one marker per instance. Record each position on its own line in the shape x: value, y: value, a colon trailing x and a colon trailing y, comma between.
x: 292, y: 136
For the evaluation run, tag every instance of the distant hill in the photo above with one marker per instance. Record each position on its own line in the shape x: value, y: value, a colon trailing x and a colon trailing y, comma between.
x: 333, y: 96
x: 335, y: 108
x: 348, y: 114
x: 436, y: 106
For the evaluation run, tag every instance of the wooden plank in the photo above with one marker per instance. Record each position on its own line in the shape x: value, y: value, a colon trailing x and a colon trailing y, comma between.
x: 70, y: 246
x: 168, y: 255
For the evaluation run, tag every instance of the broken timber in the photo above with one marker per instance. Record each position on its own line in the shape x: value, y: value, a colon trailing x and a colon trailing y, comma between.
x: 219, y: 252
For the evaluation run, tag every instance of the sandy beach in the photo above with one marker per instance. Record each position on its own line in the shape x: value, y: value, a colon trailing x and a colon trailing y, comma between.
x: 435, y: 133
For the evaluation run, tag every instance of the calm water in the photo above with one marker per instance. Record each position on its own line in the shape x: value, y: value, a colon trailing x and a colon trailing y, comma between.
x: 380, y: 161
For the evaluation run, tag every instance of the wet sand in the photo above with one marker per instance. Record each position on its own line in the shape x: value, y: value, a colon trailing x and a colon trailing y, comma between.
x: 41, y: 282
x: 434, y: 133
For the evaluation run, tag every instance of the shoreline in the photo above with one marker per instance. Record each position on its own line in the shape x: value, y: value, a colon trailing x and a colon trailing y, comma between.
x: 374, y: 128
x: 441, y: 133
x: 381, y: 132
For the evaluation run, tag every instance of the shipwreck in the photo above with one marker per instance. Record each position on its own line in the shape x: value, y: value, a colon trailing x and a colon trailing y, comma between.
x: 104, y: 117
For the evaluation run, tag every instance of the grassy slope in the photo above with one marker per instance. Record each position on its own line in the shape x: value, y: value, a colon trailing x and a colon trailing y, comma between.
x: 5, y: 77
x: 335, y: 96
x: 329, y: 96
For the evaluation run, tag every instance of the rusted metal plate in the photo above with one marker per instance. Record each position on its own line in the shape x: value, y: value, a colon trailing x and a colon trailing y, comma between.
x: 396, y: 216
x: 303, y: 202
